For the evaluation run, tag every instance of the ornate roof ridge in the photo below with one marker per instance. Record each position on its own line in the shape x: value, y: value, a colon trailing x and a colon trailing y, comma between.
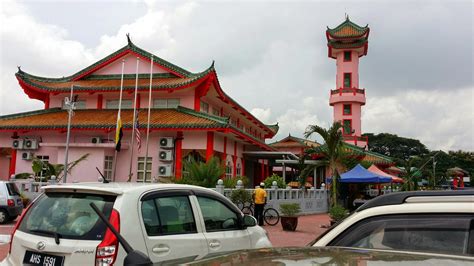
x: 130, y: 46
x: 203, y: 115
x: 29, y: 113
x: 347, y: 22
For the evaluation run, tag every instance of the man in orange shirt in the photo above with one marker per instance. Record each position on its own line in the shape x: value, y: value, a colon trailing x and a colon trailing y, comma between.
x: 259, y: 199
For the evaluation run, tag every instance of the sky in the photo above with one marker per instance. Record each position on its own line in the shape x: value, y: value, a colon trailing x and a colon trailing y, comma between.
x: 270, y: 56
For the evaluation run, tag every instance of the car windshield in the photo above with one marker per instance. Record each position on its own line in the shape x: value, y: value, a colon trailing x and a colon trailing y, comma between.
x: 68, y: 215
x: 12, y: 189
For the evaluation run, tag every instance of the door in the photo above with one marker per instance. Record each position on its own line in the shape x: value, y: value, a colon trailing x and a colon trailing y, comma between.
x: 170, y: 229
x: 222, y: 229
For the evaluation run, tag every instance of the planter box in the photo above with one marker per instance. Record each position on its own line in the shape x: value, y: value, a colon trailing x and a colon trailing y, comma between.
x: 289, y: 223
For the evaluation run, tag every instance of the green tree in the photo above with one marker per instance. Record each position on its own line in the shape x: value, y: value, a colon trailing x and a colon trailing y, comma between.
x: 396, y: 147
x: 203, y: 174
x: 332, y: 151
x: 47, y: 170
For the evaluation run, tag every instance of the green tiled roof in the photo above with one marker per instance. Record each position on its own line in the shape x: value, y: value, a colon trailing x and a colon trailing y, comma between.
x: 347, y: 29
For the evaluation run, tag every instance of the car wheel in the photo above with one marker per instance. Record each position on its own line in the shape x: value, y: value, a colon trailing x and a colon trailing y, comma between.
x: 3, y: 216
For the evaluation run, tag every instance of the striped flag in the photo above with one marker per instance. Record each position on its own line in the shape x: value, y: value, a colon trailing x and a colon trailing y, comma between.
x: 118, y: 135
x: 137, y: 132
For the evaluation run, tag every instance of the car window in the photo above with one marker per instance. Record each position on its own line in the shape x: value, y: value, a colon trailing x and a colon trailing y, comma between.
x: 433, y: 233
x: 12, y: 189
x: 168, y: 215
x: 69, y: 215
x: 217, y: 216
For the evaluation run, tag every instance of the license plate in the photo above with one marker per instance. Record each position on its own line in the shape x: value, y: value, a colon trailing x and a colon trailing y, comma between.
x: 35, y: 258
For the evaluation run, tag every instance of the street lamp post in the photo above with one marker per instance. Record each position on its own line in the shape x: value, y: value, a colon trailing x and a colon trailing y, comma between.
x: 434, y: 172
x: 69, y: 104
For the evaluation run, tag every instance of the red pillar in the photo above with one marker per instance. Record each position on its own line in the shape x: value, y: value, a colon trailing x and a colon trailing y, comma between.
x: 210, y: 145
x: 224, y: 155
x: 179, y: 155
x: 234, y: 159
x: 138, y: 101
x: 12, y: 168
x: 46, y: 102
x: 100, y: 100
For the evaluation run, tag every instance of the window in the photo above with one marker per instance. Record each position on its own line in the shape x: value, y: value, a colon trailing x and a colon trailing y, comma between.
x: 228, y: 170
x: 168, y: 215
x: 80, y: 104
x: 114, y: 104
x: 204, y: 107
x: 217, y: 216
x: 166, y: 103
x: 238, y: 170
x: 45, y: 160
x: 347, y: 80
x: 347, y: 127
x: 108, y: 164
x: 432, y: 233
x: 347, y: 109
x: 141, y: 169
x: 347, y: 56
x: 216, y: 112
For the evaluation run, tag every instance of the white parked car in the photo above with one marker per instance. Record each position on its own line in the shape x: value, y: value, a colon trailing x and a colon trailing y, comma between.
x: 168, y: 222
x: 440, y: 222
x: 11, y: 204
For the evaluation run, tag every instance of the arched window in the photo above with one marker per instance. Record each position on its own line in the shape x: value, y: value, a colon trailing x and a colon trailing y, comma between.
x: 238, y: 170
x: 228, y: 170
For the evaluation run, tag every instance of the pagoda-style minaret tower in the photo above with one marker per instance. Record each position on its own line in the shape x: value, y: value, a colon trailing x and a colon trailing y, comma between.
x: 347, y: 43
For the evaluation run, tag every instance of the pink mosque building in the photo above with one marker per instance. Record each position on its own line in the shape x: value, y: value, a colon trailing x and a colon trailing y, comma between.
x: 191, y: 116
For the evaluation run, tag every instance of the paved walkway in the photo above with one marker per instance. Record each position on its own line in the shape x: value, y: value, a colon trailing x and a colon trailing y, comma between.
x: 309, y: 227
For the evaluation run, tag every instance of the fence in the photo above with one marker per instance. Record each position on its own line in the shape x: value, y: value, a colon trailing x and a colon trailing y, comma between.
x: 311, y: 201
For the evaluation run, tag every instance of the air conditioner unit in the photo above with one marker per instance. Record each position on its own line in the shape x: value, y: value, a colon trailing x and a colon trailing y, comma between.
x: 18, y: 144
x: 96, y: 140
x: 166, y: 155
x: 30, y: 144
x: 164, y: 170
x: 27, y: 155
x: 166, y: 142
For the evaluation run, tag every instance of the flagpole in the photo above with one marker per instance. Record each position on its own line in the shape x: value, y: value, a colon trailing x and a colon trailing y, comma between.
x: 148, y: 121
x: 69, y: 106
x: 133, y: 123
x: 118, y: 119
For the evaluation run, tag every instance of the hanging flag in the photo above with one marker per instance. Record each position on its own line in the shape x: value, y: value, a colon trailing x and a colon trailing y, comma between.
x: 137, y: 133
x: 118, y: 135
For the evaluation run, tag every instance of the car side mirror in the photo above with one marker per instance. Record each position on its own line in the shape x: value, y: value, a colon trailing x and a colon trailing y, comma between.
x: 249, y: 221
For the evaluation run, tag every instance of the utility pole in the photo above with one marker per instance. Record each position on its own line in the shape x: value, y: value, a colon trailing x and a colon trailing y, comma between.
x: 69, y: 104
x: 434, y: 172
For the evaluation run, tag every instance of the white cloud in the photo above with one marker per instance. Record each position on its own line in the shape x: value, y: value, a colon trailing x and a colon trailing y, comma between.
x: 262, y: 114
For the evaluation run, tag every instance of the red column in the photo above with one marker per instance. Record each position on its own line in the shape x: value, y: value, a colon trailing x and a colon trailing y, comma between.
x: 179, y: 155
x: 12, y: 168
x: 46, y: 102
x: 197, y: 102
x: 138, y: 102
x: 100, y: 100
x: 234, y: 159
x: 210, y: 145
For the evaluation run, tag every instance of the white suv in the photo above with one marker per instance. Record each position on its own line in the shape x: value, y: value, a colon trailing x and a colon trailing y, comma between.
x: 170, y: 223
x: 429, y: 221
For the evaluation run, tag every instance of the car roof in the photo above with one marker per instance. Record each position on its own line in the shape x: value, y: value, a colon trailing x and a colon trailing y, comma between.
x: 331, y: 255
x: 424, y: 196
x: 117, y: 188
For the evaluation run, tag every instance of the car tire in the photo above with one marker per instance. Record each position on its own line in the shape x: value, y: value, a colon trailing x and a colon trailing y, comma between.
x: 3, y: 216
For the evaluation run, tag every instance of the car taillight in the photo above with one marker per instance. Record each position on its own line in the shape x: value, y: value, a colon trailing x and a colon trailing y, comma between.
x: 11, y: 203
x: 18, y: 222
x: 107, y: 249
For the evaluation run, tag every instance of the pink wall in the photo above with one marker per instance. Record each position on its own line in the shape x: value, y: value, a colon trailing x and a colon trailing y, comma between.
x: 347, y: 67
x: 130, y: 67
x: 4, y: 167
x: 355, y: 116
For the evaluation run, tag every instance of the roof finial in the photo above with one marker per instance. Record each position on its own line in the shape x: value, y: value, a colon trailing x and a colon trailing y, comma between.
x: 128, y: 39
x: 19, y: 69
x: 347, y: 16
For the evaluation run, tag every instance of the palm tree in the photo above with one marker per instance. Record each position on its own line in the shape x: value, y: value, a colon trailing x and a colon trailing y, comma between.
x: 203, y: 174
x: 48, y: 169
x: 332, y: 152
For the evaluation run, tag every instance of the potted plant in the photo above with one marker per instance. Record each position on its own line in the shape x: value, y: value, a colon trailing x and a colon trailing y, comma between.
x: 289, y: 216
x: 337, y: 213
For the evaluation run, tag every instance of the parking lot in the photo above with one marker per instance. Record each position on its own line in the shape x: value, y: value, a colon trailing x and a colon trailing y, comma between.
x: 309, y: 227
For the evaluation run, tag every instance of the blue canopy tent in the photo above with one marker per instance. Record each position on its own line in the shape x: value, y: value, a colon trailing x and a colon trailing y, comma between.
x: 359, y: 174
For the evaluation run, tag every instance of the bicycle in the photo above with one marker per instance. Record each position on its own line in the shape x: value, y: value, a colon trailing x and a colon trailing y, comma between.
x: 270, y: 215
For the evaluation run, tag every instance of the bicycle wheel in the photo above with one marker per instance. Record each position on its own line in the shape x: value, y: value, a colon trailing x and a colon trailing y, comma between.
x: 247, y: 210
x: 271, y: 216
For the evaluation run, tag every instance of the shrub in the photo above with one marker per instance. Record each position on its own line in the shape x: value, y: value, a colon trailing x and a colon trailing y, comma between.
x: 202, y: 174
x: 337, y: 213
x: 290, y: 209
x: 240, y: 196
x: 229, y: 182
x: 245, y: 180
x: 269, y: 180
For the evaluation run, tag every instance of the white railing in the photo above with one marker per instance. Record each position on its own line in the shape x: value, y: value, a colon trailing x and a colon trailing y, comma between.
x: 311, y: 201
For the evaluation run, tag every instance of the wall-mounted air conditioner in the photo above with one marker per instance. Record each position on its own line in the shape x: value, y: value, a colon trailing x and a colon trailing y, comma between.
x: 166, y: 142
x: 30, y: 144
x: 18, y: 144
x: 166, y: 155
x: 96, y: 140
x: 27, y: 155
x: 164, y: 170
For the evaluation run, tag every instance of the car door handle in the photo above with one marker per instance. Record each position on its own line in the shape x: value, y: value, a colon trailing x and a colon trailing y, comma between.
x: 214, y: 244
x: 161, y: 249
